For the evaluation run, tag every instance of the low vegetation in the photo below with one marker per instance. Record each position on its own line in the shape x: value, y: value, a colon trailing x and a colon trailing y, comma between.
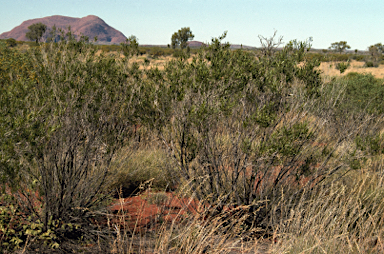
x: 274, y: 155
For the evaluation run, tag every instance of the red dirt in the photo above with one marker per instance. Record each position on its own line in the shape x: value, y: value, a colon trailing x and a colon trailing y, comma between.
x: 138, y: 212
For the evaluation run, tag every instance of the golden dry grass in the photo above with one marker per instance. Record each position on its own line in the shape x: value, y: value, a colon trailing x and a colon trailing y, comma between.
x: 329, y: 69
x: 336, y: 217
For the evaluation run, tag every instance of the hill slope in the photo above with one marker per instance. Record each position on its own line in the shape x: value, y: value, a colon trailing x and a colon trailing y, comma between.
x: 90, y: 26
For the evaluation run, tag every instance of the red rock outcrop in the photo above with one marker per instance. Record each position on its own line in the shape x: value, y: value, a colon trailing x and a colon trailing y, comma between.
x: 90, y: 26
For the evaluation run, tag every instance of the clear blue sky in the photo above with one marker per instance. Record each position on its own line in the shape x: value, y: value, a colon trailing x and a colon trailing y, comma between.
x: 359, y: 22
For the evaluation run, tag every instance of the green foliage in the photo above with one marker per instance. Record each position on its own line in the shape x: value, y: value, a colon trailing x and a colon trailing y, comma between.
x: 36, y: 31
x: 18, y: 79
x: 11, y: 42
x: 363, y: 92
x: 333, y: 57
x: 18, y: 229
x: 380, y: 46
x: 286, y: 141
x: 181, y: 37
x: 370, y: 64
x: 157, y: 52
x: 64, y: 112
x: 376, y: 49
x: 264, y: 116
x: 108, y: 48
x: 223, y: 95
x: 131, y: 46
x: 339, y: 46
x: 375, y: 55
x: 339, y: 57
x: 177, y: 53
x: 358, y: 57
x: 370, y: 144
x: 342, y: 67
x: 373, y: 50
x: 237, y: 126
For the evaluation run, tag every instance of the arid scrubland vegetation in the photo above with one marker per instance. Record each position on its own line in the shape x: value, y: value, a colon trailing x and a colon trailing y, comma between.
x: 264, y: 152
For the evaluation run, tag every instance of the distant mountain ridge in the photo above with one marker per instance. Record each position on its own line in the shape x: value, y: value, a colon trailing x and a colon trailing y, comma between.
x: 90, y: 26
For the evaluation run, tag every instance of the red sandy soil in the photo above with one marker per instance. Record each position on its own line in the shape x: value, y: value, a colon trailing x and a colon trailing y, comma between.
x: 138, y: 212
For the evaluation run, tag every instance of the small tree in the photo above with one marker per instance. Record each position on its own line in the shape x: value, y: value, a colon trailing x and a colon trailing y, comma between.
x: 380, y: 47
x: 181, y: 37
x: 269, y: 45
x: 374, y: 51
x: 131, y: 46
x: 339, y: 46
x: 36, y: 31
x: 342, y: 67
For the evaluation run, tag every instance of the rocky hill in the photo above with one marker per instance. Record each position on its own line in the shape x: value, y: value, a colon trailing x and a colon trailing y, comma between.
x: 90, y: 26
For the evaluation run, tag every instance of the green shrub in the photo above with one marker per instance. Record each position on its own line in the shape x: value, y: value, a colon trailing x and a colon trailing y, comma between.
x: 223, y: 95
x: 237, y: 127
x: 142, y: 51
x: 11, y: 42
x: 363, y: 92
x: 18, y: 229
x: 18, y: 79
x: 370, y: 144
x: 317, y: 56
x: 358, y: 57
x: 64, y: 112
x: 342, y: 67
x: 156, y: 52
x: 176, y: 53
x: 339, y: 57
x: 371, y: 64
